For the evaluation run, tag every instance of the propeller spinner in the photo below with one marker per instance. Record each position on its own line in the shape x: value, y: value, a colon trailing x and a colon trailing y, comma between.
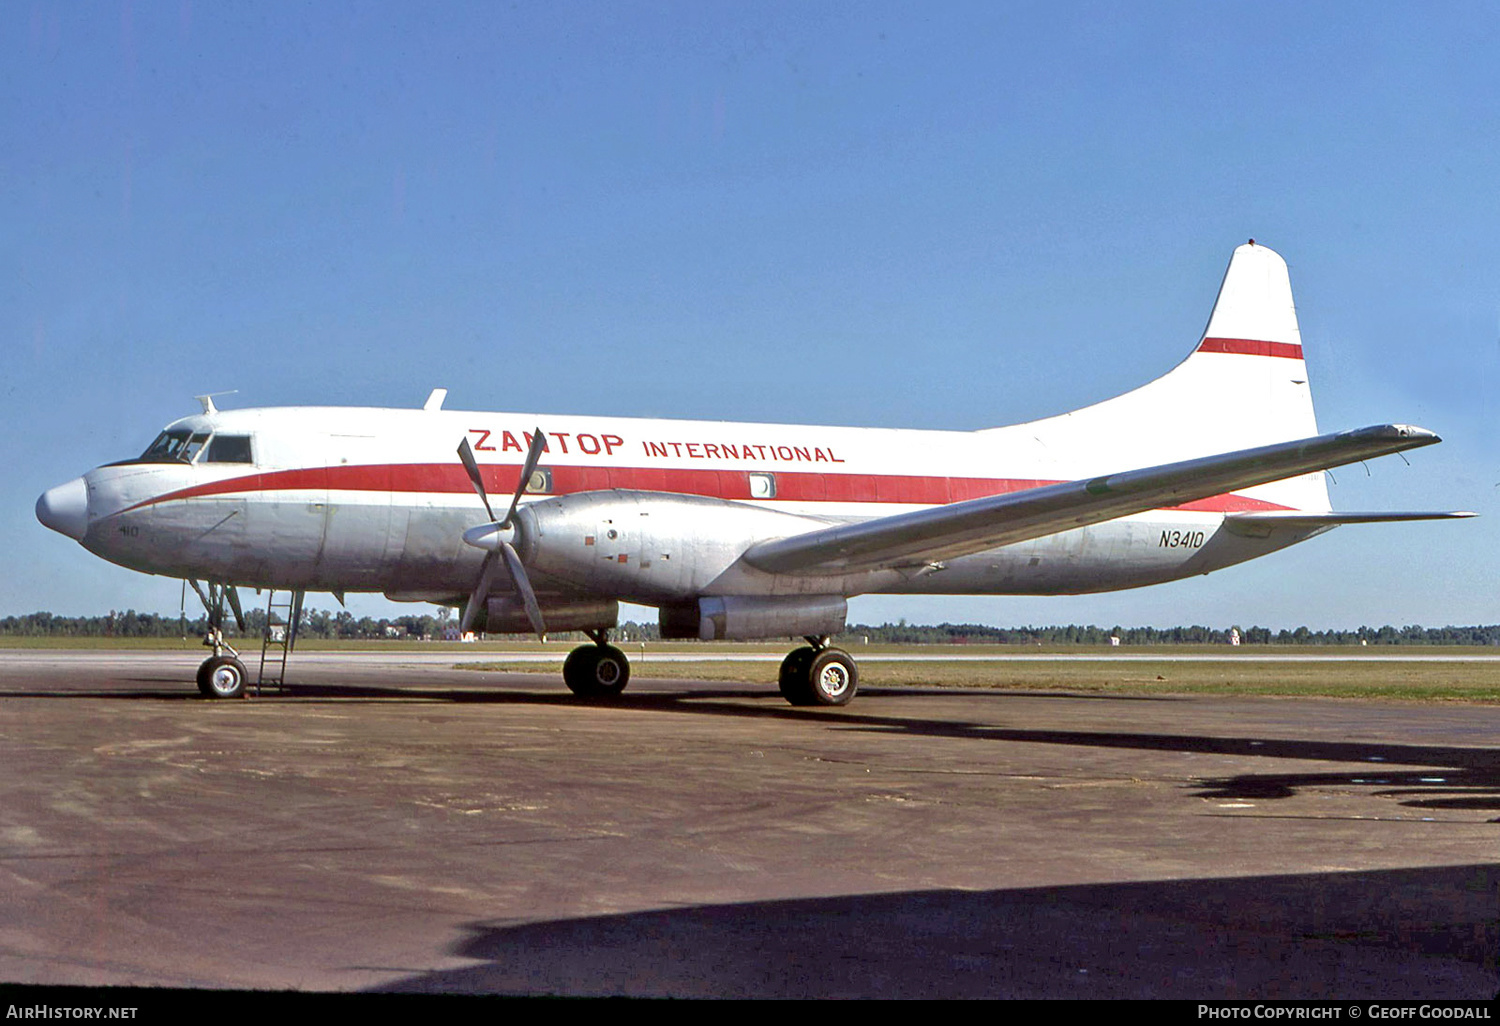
x: 496, y: 536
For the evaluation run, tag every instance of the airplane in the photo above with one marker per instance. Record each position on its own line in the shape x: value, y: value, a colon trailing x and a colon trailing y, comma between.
x: 736, y: 531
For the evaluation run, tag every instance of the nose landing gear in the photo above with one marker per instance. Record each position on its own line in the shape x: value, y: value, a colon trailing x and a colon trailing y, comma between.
x: 817, y: 674
x: 221, y: 675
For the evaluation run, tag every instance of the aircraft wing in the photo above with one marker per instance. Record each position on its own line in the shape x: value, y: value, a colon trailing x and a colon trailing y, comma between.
x: 958, y: 529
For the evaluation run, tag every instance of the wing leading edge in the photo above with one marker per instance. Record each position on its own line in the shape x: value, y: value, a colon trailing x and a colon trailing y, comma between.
x: 960, y: 528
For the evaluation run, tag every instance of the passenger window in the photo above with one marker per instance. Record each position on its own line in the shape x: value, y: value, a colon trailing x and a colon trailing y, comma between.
x: 230, y: 449
x: 762, y: 486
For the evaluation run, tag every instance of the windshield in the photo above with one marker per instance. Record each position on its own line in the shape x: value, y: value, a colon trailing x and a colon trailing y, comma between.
x: 177, y: 446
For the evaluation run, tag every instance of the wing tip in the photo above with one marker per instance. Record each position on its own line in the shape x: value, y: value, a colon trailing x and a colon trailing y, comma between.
x: 1419, y: 434
x: 1410, y: 434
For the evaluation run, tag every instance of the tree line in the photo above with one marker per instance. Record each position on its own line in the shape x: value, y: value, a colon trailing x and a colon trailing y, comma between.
x: 342, y: 624
x: 1074, y: 634
x: 316, y: 623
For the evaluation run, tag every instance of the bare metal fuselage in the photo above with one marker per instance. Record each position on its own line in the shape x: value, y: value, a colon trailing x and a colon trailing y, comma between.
x: 354, y: 520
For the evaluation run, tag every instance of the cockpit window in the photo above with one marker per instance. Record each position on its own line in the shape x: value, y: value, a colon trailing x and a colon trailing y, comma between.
x: 177, y: 446
x: 190, y: 452
x: 229, y: 449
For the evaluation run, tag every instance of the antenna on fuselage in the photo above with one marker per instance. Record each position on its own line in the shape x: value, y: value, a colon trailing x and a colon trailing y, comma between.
x: 207, y: 401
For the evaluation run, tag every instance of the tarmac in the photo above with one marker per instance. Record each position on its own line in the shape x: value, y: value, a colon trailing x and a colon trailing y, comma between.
x: 393, y: 823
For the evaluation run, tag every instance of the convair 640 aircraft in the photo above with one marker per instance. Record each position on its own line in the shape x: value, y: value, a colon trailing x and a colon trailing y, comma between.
x: 737, y: 531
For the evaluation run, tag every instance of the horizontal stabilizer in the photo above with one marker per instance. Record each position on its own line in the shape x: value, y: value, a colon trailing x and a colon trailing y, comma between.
x: 961, y: 528
x: 1259, y: 524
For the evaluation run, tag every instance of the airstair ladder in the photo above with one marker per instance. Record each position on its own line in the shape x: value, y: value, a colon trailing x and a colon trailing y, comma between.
x: 278, y: 639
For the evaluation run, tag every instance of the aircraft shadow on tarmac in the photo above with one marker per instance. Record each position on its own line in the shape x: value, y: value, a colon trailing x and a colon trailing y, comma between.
x: 1452, y: 778
x: 1455, y: 778
x: 1427, y: 933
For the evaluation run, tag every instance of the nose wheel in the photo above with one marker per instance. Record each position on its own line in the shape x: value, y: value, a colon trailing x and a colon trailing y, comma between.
x: 819, y: 675
x: 222, y: 677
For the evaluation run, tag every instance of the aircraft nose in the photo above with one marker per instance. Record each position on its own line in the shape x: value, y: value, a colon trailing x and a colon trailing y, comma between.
x: 65, y: 508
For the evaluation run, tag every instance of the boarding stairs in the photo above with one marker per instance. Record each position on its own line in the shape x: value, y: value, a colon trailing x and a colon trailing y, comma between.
x: 278, y: 639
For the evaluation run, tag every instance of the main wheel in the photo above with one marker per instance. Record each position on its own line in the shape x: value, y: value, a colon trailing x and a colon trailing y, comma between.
x: 832, y: 678
x: 222, y: 677
x: 596, y: 671
x: 793, y: 679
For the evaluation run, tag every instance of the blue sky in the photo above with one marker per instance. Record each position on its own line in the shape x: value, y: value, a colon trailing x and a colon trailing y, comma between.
x: 919, y: 215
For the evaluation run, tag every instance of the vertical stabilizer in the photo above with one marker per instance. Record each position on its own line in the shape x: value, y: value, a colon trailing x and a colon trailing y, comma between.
x: 1245, y: 385
x: 1254, y: 313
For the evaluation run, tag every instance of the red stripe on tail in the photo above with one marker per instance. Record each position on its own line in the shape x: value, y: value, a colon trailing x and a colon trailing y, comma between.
x: 1251, y: 347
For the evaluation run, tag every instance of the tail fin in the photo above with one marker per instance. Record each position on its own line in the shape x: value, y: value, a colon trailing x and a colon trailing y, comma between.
x: 1254, y: 313
x: 1245, y: 385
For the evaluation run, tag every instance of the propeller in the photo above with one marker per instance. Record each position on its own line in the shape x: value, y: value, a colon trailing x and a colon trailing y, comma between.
x: 496, y: 537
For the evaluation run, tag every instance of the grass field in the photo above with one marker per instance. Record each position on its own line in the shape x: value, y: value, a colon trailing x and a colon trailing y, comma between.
x: 1354, y: 675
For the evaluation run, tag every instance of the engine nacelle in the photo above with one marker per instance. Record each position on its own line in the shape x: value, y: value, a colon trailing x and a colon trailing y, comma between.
x: 505, y: 614
x: 744, y: 617
x: 650, y: 547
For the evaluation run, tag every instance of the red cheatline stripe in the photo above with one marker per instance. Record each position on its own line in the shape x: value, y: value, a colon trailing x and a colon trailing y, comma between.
x: 1251, y: 347
x: 500, y: 482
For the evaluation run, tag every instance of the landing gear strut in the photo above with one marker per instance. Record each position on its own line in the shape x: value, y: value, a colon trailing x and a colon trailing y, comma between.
x: 816, y: 674
x: 596, y: 671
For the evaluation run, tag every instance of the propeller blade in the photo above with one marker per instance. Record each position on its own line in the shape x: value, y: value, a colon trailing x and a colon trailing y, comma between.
x: 533, y: 457
x: 523, y: 588
x: 481, y: 593
x: 505, y: 553
x: 466, y: 454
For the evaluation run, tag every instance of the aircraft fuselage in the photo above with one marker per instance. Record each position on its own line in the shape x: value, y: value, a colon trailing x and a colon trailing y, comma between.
x: 372, y: 500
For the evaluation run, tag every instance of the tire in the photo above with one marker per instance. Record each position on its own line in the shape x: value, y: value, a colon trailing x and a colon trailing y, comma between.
x: 794, y: 680
x: 832, y: 678
x: 596, y: 671
x: 222, y: 677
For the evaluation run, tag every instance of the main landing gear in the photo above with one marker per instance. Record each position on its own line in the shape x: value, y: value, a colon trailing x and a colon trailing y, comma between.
x: 816, y: 674
x: 596, y: 671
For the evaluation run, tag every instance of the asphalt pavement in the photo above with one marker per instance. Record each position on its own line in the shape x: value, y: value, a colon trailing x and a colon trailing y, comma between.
x: 395, y: 824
